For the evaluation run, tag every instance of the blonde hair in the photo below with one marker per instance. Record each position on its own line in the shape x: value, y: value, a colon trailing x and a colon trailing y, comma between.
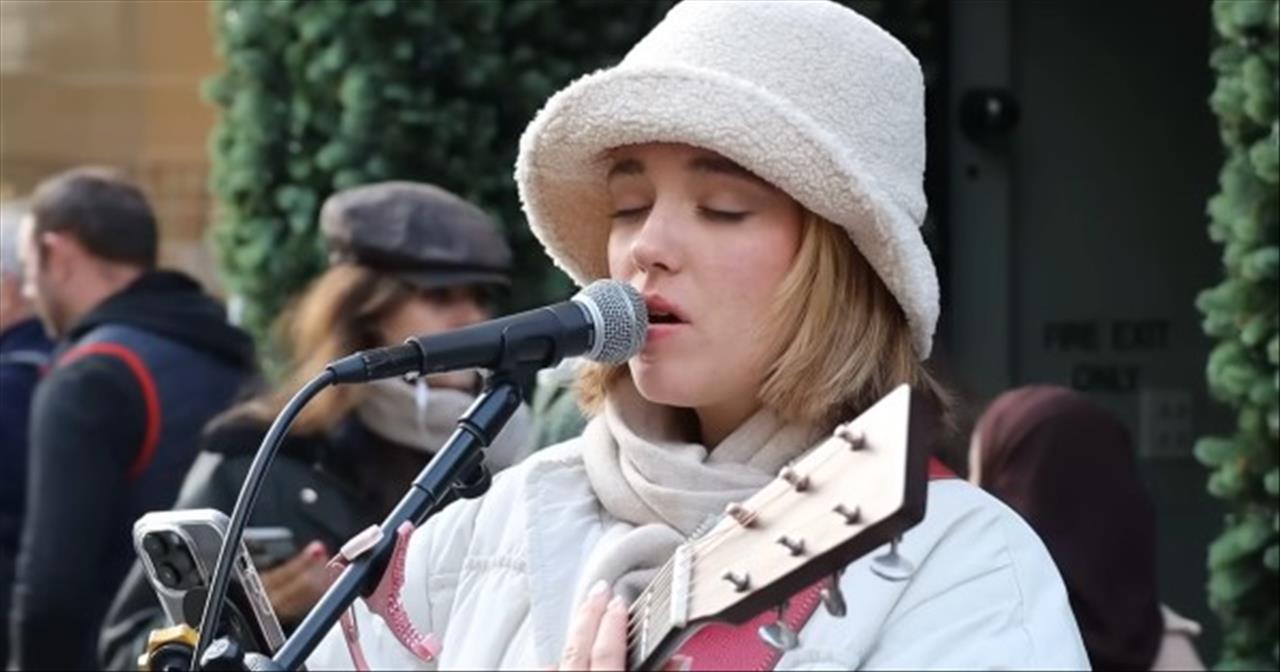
x: 840, y: 339
x: 341, y: 312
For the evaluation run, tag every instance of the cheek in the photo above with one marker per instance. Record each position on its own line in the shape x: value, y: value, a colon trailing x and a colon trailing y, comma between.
x: 411, y: 320
x: 746, y: 273
x: 618, y: 252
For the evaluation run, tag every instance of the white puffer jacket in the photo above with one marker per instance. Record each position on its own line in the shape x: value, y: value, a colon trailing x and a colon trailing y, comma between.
x: 495, y: 579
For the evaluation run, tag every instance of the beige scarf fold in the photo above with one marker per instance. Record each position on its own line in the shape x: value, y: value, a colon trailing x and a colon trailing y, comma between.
x: 647, y: 474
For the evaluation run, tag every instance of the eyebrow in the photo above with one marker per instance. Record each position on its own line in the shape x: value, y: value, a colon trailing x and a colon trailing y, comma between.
x: 625, y: 167
x: 722, y: 166
x: 716, y: 165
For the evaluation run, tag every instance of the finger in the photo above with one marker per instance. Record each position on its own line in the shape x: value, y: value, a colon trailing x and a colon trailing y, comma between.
x: 297, y: 565
x: 582, y: 632
x: 609, y: 652
x: 297, y: 596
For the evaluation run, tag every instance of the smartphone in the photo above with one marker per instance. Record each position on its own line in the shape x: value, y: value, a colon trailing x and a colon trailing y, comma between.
x: 270, y: 546
x: 179, y: 549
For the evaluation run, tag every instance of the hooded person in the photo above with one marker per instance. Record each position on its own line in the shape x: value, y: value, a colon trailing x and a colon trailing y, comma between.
x: 755, y: 170
x: 1032, y: 449
x: 146, y: 358
x: 406, y: 259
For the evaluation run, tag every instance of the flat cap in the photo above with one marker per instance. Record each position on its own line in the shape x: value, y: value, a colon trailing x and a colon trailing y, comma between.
x: 419, y: 232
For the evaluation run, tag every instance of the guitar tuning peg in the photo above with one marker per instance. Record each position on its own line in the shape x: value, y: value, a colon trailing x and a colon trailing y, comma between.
x: 779, y: 636
x: 891, y: 566
x: 741, y: 582
x: 794, y: 479
x: 833, y: 599
x: 740, y: 513
x: 851, y: 517
x: 854, y: 437
x: 795, y: 546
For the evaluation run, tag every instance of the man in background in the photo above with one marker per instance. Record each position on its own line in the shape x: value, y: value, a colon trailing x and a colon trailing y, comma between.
x: 148, y: 358
x: 24, y: 354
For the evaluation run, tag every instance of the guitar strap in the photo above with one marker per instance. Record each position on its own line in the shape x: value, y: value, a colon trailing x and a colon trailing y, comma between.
x: 722, y: 646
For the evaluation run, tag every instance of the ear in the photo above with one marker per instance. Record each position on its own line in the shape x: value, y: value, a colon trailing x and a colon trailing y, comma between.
x: 60, y: 254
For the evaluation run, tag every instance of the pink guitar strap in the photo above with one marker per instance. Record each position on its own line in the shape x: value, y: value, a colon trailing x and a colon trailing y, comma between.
x: 385, y: 600
x: 721, y: 646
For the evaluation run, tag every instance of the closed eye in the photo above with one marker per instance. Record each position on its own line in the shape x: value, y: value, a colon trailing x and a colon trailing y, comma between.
x: 628, y: 214
x: 722, y: 215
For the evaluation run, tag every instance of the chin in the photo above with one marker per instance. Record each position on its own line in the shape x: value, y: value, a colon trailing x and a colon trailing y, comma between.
x: 662, y: 384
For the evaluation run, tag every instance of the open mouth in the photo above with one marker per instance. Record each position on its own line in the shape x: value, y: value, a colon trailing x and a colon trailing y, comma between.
x: 663, y: 318
x: 662, y: 312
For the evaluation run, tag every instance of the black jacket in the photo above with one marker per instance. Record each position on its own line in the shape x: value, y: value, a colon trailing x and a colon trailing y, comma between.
x: 24, y: 354
x: 114, y: 427
x: 321, y: 487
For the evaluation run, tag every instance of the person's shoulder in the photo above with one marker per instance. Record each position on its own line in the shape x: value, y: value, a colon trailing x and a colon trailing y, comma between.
x: 91, y: 377
x: 957, y: 507
x: 233, y: 432
x: 566, y: 453
x: 497, y: 518
x: 968, y: 532
x: 515, y: 481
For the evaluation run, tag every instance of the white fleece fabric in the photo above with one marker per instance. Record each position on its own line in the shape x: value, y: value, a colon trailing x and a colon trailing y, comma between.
x: 807, y: 94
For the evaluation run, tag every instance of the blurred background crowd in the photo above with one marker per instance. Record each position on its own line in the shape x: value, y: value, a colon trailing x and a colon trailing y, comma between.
x: 198, y: 191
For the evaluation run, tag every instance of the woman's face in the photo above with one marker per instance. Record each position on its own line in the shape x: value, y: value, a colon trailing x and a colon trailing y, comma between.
x: 433, y: 312
x: 707, y: 243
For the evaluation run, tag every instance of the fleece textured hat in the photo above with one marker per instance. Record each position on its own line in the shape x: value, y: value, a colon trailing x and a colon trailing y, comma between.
x: 808, y: 95
x: 418, y: 232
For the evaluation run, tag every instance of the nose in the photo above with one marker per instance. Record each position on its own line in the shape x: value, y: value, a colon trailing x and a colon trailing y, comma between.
x: 467, y: 312
x: 655, y: 246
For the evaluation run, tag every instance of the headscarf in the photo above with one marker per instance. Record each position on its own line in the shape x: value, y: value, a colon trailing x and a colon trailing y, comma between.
x: 1069, y: 468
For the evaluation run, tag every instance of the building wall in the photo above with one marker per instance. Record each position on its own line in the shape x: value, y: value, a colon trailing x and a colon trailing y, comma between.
x: 113, y: 82
x: 1078, y: 246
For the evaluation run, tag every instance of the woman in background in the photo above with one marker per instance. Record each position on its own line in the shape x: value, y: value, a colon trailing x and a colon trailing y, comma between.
x: 406, y: 259
x: 1068, y: 467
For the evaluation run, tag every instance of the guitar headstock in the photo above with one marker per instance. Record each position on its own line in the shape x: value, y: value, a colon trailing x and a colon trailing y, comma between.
x: 861, y: 488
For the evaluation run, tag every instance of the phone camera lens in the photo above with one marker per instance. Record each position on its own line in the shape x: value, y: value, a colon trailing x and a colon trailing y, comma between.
x: 182, y: 562
x: 154, y: 545
x: 168, y: 576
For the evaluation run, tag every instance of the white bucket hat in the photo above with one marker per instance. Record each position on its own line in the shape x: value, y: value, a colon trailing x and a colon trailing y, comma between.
x: 809, y: 95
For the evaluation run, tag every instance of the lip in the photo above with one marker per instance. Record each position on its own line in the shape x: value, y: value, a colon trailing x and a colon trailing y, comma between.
x: 658, y: 332
x: 656, y: 303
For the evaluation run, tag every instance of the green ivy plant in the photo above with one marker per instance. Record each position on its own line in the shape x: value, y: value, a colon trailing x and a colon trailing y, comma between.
x: 1241, y: 313
x: 319, y: 96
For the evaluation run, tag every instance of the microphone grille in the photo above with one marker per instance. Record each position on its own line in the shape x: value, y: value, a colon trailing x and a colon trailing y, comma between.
x: 620, y: 317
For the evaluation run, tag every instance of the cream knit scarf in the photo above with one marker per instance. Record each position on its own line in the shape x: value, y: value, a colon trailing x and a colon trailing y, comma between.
x: 647, y: 474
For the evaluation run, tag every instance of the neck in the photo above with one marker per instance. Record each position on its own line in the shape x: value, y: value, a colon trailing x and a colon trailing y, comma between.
x: 717, y: 422
x: 100, y: 284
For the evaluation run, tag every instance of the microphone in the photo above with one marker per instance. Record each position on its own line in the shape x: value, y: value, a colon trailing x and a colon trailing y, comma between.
x: 605, y: 322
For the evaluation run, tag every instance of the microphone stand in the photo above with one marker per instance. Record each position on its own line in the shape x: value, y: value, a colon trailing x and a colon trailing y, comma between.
x: 457, y: 466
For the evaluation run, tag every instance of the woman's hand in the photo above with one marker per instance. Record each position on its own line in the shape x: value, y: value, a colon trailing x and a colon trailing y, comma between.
x: 297, y: 585
x: 598, y: 634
